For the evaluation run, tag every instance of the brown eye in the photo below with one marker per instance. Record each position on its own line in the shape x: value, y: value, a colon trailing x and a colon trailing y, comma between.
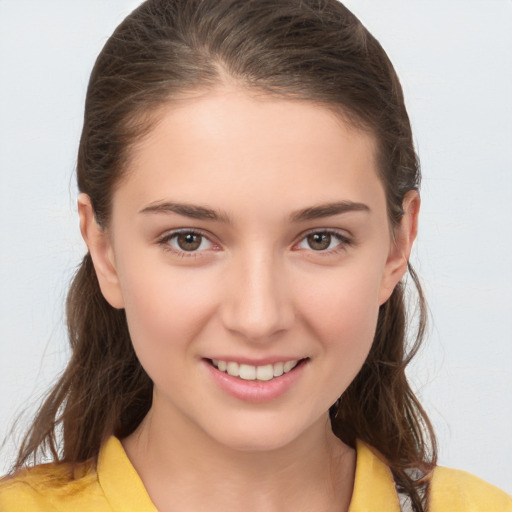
x: 186, y: 242
x: 319, y: 241
x: 328, y: 241
x: 189, y: 241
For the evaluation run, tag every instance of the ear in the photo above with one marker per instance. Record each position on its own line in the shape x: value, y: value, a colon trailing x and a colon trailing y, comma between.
x: 403, y: 238
x: 102, y: 253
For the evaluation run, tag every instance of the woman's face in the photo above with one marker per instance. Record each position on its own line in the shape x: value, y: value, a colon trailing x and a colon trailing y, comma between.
x: 249, y: 238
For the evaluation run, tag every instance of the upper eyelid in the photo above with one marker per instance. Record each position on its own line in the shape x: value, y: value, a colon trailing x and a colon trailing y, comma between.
x: 342, y: 233
x: 173, y: 232
x: 165, y: 237
x: 345, y: 240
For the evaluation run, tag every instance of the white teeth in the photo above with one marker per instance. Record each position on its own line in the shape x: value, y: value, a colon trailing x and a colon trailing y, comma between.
x: 250, y: 372
x: 265, y: 372
x: 233, y: 369
x: 247, y: 372
x: 278, y: 369
x: 289, y: 365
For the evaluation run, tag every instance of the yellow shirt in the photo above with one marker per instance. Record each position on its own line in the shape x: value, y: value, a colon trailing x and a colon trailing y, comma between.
x: 114, y: 486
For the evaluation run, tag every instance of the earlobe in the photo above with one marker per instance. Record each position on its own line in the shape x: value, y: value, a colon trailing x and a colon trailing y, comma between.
x: 403, y: 238
x: 102, y: 254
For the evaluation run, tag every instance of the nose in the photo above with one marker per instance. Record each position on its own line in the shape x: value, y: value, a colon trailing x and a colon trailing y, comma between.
x: 257, y: 301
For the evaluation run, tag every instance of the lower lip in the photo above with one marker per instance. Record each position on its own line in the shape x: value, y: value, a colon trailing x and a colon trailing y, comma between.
x: 255, y: 391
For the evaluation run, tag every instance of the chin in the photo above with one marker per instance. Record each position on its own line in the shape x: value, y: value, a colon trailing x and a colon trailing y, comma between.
x: 257, y: 444
x: 258, y: 435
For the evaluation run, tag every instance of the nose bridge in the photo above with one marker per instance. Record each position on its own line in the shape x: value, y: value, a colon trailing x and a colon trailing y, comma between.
x: 257, y: 302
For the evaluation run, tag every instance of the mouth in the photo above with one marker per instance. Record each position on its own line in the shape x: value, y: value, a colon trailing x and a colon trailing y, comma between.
x: 263, y: 373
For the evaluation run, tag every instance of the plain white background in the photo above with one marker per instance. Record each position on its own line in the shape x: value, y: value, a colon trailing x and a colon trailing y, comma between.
x: 454, y: 60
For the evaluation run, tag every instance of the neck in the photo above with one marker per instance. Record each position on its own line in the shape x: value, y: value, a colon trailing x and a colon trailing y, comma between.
x: 185, y: 469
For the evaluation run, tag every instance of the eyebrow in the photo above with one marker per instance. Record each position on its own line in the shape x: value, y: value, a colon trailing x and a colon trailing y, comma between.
x: 187, y: 210
x: 329, y: 210
x: 205, y: 213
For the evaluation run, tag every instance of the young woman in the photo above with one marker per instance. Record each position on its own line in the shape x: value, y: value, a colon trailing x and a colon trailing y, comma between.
x: 249, y: 198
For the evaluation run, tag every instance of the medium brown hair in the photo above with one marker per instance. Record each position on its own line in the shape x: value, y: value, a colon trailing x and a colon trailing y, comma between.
x: 312, y: 50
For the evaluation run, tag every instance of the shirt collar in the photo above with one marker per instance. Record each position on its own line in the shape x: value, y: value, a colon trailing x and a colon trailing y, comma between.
x: 120, y: 482
x: 373, y: 485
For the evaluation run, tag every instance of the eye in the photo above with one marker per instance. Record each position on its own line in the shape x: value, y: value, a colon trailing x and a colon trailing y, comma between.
x: 186, y: 241
x: 323, y: 241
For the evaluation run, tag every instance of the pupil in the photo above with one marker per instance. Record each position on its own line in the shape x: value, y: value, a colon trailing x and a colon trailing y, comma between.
x: 319, y: 241
x: 189, y: 241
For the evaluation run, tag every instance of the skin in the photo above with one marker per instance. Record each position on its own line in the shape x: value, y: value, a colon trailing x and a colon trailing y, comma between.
x: 254, y: 289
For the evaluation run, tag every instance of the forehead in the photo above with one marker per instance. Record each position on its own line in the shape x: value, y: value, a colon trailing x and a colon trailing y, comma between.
x: 228, y: 143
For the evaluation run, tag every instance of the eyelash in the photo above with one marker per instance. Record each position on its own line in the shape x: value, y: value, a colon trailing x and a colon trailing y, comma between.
x: 343, y: 241
x: 164, y: 241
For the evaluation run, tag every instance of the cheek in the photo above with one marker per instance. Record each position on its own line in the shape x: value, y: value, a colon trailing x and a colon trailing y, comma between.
x: 165, y: 309
x: 347, y: 323
x: 343, y: 315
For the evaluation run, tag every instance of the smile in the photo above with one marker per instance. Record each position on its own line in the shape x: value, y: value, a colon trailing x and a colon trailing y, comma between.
x: 250, y: 372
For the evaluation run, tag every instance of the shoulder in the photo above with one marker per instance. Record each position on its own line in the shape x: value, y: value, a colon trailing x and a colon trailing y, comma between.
x: 106, y: 485
x: 51, y: 488
x: 453, y: 490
